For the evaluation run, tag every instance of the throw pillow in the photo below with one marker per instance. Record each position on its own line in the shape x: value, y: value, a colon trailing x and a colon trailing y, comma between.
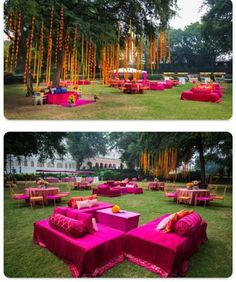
x: 72, y: 213
x: 162, y: 224
x: 95, y: 226
x: 82, y: 204
x: 93, y: 202
x: 60, y: 210
x: 86, y: 218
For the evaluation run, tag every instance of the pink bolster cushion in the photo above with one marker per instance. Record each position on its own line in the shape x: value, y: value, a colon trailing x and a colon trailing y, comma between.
x: 66, y: 225
x: 188, y: 224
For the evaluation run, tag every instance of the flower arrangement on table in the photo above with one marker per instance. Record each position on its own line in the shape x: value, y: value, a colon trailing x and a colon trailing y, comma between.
x: 189, y: 185
x: 71, y: 99
x: 42, y: 183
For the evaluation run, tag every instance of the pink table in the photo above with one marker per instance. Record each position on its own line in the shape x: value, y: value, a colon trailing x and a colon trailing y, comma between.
x: 124, y: 221
x: 42, y: 192
x: 193, y: 194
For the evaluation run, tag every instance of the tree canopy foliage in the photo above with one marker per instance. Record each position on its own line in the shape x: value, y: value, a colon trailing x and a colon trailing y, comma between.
x: 83, y: 145
x: 198, y: 145
x: 44, y: 144
x: 217, y: 24
x: 97, y: 18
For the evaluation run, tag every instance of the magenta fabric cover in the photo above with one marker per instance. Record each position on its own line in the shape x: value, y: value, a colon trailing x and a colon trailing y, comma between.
x: 188, y: 224
x: 60, y: 99
x: 163, y: 253
x: 67, y: 225
x: 89, y: 255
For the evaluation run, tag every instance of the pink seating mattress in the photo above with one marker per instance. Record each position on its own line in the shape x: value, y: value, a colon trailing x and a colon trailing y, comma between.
x: 163, y: 253
x: 89, y: 255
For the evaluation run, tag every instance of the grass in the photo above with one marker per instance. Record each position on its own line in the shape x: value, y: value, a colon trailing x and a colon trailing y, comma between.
x: 114, y: 105
x: 22, y: 258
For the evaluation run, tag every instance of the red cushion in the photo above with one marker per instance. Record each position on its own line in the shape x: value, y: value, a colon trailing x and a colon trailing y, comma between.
x: 67, y: 225
x: 188, y: 224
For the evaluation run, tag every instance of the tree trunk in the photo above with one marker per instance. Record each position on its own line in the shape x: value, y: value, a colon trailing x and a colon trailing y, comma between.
x: 29, y: 83
x: 200, y: 148
x: 57, y: 72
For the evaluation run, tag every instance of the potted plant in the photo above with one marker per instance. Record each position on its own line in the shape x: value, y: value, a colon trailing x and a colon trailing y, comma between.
x: 71, y: 100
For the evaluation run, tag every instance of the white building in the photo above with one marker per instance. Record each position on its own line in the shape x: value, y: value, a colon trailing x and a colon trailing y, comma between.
x: 31, y: 164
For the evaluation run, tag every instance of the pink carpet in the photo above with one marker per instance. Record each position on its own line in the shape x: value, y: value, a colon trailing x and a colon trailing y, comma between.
x: 79, y: 103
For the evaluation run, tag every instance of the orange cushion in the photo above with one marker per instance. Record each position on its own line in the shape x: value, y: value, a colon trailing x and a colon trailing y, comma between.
x: 92, y: 197
x: 171, y: 223
x: 178, y: 215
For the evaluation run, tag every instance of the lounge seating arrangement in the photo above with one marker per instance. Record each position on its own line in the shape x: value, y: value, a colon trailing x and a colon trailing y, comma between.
x: 204, y: 93
x: 106, y: 190
x: 164, y: 253
x: 87, y: 253
x: 132, y: 188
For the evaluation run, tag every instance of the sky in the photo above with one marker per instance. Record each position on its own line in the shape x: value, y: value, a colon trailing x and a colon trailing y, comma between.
x: 189, y: 13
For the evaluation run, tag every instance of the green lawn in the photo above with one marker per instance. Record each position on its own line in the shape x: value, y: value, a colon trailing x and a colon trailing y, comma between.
x: 22, y: 258
x: 114, y: 105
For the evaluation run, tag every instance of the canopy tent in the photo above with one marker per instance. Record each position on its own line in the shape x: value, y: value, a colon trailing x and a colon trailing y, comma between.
x: 129, y: 70
x: 66, y: 171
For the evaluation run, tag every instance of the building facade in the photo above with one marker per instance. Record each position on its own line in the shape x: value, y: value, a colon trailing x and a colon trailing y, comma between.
x: 32, y: 164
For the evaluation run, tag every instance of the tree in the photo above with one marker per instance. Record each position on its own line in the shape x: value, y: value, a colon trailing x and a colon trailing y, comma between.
x: 217, y: 25
x: 83, y: 145
x: 44, y: 144
x: 190, y: 48
x: 198, y: 145
x: 97, y: 19
x: 127, y: 143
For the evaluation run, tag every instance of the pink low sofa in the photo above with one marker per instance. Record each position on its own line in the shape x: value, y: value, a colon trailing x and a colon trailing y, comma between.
x: 87, y: 256
x: 132, y: 188
x: 163, y: 253
x: 106, y: 190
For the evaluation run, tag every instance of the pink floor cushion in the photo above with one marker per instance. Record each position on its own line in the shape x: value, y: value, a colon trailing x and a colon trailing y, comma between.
x: 188, y: 224
x: 163, y: 253
x: 67, y: 225
x: 90, y: 255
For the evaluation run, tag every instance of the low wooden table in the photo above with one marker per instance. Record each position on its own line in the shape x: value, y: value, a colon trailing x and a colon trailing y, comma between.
x: 124, y: 220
